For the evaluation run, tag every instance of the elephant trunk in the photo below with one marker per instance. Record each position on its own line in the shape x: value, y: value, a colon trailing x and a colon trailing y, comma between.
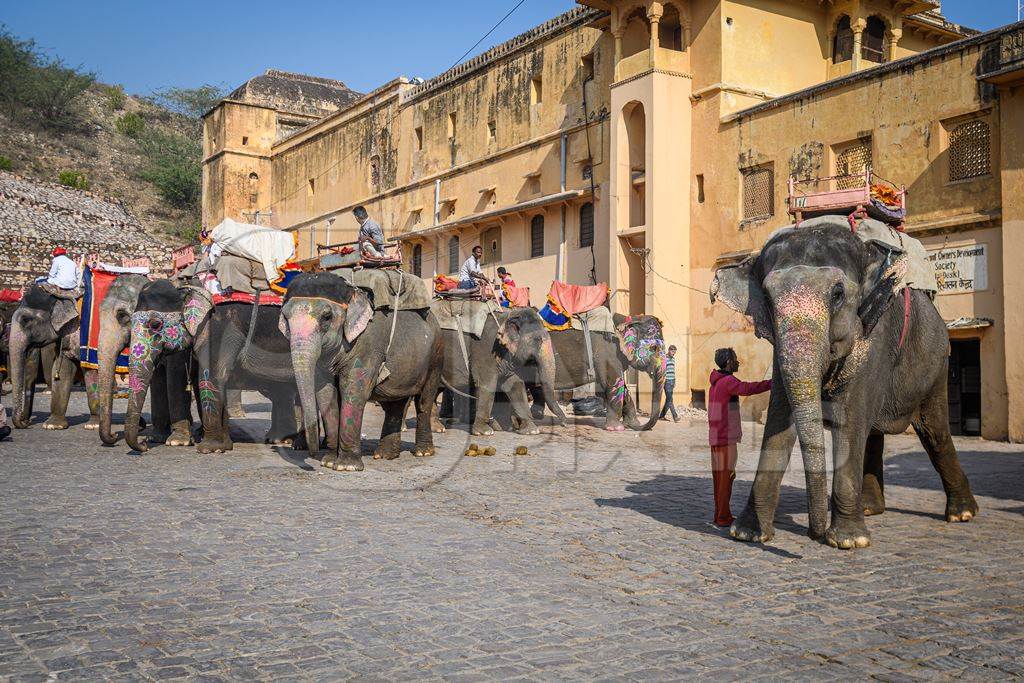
x: 546, y: 368
x: 305, y: 350
x: 112, y: 340
x: 21, y: 388
x: 656, y: 369
x: 140, y: 369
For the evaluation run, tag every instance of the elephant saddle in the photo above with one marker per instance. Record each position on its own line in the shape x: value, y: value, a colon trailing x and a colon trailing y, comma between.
x: 268, y: 298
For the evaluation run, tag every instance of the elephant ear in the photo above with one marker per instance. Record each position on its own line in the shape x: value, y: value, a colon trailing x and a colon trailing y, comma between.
x: 358, y: 315
x: 509, y: 332
x: 62, y: 313
x: 196, y: 309
x: 738, y: 288
x: 282, y: 325
x: 882, y: 281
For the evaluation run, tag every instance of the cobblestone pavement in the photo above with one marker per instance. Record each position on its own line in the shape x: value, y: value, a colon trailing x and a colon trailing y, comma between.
x: 592, y: 557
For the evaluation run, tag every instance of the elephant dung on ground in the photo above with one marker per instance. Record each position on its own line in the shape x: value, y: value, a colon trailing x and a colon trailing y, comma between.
x: 850, y: 354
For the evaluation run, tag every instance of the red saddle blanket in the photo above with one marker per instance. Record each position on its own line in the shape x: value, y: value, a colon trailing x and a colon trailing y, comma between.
x: 573, y: 299
x: 266, y: 298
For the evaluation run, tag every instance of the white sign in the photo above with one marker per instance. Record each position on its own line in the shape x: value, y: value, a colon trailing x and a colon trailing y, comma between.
x: 959, y: 270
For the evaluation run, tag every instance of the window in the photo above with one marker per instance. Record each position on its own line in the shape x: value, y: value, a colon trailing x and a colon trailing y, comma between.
x: 873, y: 41
x: 416, y: 216
x: 453, y: 255
x: 587, y: 225
x: 536, y: 90
x: 417, y: 260
x: 311, y: 188
x: 537, y: 236
x: 588, y: 171
x: 852, y: 161
x: 970, y: 146
x: 375, y: 172
x: 492, y: 130
x: 587, y: 67
x: 419, y: 138
x: 700, y: 188
x: 758, y: 193
x: 254, y: 188
x: 245, y: 140
x: 452, y: 125
x: 842, y: 44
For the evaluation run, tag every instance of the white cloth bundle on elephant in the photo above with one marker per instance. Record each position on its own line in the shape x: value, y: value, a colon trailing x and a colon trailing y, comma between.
x: 469, y: 316
x: 919, y: 274
x: 269, y: 246
x: 598, y: 320
x: 383, y: 285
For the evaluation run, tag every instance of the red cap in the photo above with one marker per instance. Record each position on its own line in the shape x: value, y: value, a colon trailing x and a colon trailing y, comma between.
x: 59, y: 251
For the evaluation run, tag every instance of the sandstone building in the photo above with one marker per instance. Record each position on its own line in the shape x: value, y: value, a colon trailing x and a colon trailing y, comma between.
x: 643, y: 142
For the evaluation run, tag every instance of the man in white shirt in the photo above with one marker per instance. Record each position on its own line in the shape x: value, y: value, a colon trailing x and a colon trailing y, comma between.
x: 471, y: 269
x: 63, y: 271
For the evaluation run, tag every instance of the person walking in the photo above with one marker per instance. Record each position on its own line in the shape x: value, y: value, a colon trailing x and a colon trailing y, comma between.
x: 724, y: 427
x: 670, y: 385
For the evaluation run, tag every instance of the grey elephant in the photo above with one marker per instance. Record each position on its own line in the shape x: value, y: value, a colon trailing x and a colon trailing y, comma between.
x: 512, y: 346
x: 170, y: 403
x: 49, y: 325
x: 339, y: 345
x: 637, y: 342
x: 850, y: 354
x: 230, y: 345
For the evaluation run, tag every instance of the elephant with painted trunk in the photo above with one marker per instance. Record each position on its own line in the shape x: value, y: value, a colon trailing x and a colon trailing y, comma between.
x: 512, y: 347
x: 44, y: 326
x: 229, y: 345
x: 855, y: 351
x: 345, y: 353
x: 170, y: 403
x: 637, y: 342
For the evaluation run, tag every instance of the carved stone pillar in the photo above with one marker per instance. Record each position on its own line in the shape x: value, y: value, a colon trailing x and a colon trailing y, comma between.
x: 894, y: 36
x: 655, y: 38
x: 617, y: 32
x: 858, y: 41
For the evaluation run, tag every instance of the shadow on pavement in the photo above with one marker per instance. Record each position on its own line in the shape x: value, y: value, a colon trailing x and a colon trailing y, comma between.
x: 991, y: 474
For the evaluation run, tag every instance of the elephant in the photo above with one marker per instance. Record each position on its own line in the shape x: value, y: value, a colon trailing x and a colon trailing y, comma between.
x: 514, y: 344
x: 50, y: 325
x: 172, y: 416
x: 854, y: 352
x: 638, y: 342
x: 228, y: 344
x: 339, y: 347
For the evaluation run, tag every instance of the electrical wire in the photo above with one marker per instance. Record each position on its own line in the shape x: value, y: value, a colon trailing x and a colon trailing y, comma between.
x: 484, y: 37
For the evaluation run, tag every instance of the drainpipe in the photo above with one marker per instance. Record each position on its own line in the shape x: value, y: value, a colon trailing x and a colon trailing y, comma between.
x: 560, y: 261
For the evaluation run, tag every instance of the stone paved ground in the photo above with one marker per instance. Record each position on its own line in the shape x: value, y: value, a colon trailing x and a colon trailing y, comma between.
x: 590, y: 558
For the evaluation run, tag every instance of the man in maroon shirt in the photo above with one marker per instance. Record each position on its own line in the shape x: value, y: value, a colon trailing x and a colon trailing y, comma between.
x: 724, y: 428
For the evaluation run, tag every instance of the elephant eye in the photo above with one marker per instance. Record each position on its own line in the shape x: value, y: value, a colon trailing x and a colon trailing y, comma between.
x: 326, y: 315
x: 838, y: 295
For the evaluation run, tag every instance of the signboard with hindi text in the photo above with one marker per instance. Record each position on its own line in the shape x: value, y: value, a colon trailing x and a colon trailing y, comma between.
x: 960, y: 270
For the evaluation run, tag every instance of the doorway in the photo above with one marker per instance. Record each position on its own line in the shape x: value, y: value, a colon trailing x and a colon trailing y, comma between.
x: 964, y: 387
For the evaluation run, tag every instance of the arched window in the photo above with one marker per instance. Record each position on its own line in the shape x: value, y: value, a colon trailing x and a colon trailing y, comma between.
x: 417, y: 260
x: 587, y: 225
x: 254, y: 189
x: 537, y: 236
x: 453, y: 254
x: 873, y: 41
x: 842, y: 44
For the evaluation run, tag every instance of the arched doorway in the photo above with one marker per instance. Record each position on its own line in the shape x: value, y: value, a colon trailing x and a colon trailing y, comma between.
x: 635, y: 123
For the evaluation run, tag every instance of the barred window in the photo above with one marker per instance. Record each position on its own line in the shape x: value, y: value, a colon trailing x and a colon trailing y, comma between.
x: 873, y: 41
x: 852, y: 162
x: 537, y: 236
x: 453, y: 255
x: 587, y: 225
x: 417, y: 260
x: 842, y: 44
x: 970, y: 150
x: 758, y: 193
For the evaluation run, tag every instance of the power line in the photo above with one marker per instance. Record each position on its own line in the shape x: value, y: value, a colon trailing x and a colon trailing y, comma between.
x: 484, y: 37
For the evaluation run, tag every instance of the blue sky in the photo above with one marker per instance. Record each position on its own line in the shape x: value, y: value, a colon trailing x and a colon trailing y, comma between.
x: 151, y: 44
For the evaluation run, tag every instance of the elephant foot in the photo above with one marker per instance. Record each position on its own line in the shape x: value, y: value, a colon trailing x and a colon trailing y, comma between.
x: 847, y: 534
x: 299, y: 442
x: 747, y: 528
x: 55, y: 423
x: 873, y: 506
x: 537, y: 414
x: 93, y: 423
x: 181, y: 435
x: 424, y: 451
x: 215, y: 446
x: 385, y: 454
x: 528, y: 428
x: 961, y: 509
x: 345, y: 462
x: 482, y: 430
x: 614, y: 427
x: 280, y: 441
x: 436, y: 426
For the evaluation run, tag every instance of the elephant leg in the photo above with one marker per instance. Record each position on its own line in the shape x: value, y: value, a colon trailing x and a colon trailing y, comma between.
x: 932, y: 429
x: 235, y: 407
x: 63, y: 378
x: 216, y: 436
x: 615, y: 400
x: 283, y: 427
x: 436, y: 426
x: 425, y: 418
x: 848, y: 529
x: 356, y: 386
x: 757, y: 521
x: 47, y: 357
x: 176, y: 400
x: 537, y: 397
x: 873, y: 490
x: 390, y: 445
x: 327, y: 400
x: 161, y: 430
x: 515, y: 389
x: 485, y: 385
x: 92, y: 395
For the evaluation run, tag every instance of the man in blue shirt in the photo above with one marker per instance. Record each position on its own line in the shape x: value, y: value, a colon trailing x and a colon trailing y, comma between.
x: 670, y: 384
x: 371, y: 236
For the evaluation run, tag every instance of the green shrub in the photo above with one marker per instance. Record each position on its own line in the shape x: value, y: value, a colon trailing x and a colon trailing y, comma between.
x: 173, y: 165
x: 6, y: 164
x: 190, y: 102
x: 130, y: 124
x: 75, y: 179
x: 116, y: 99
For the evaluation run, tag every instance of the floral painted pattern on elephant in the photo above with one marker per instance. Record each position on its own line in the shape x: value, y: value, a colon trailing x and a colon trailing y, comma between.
x: 352, y: 405
x: 618, y: 392
x: 207, y: 393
